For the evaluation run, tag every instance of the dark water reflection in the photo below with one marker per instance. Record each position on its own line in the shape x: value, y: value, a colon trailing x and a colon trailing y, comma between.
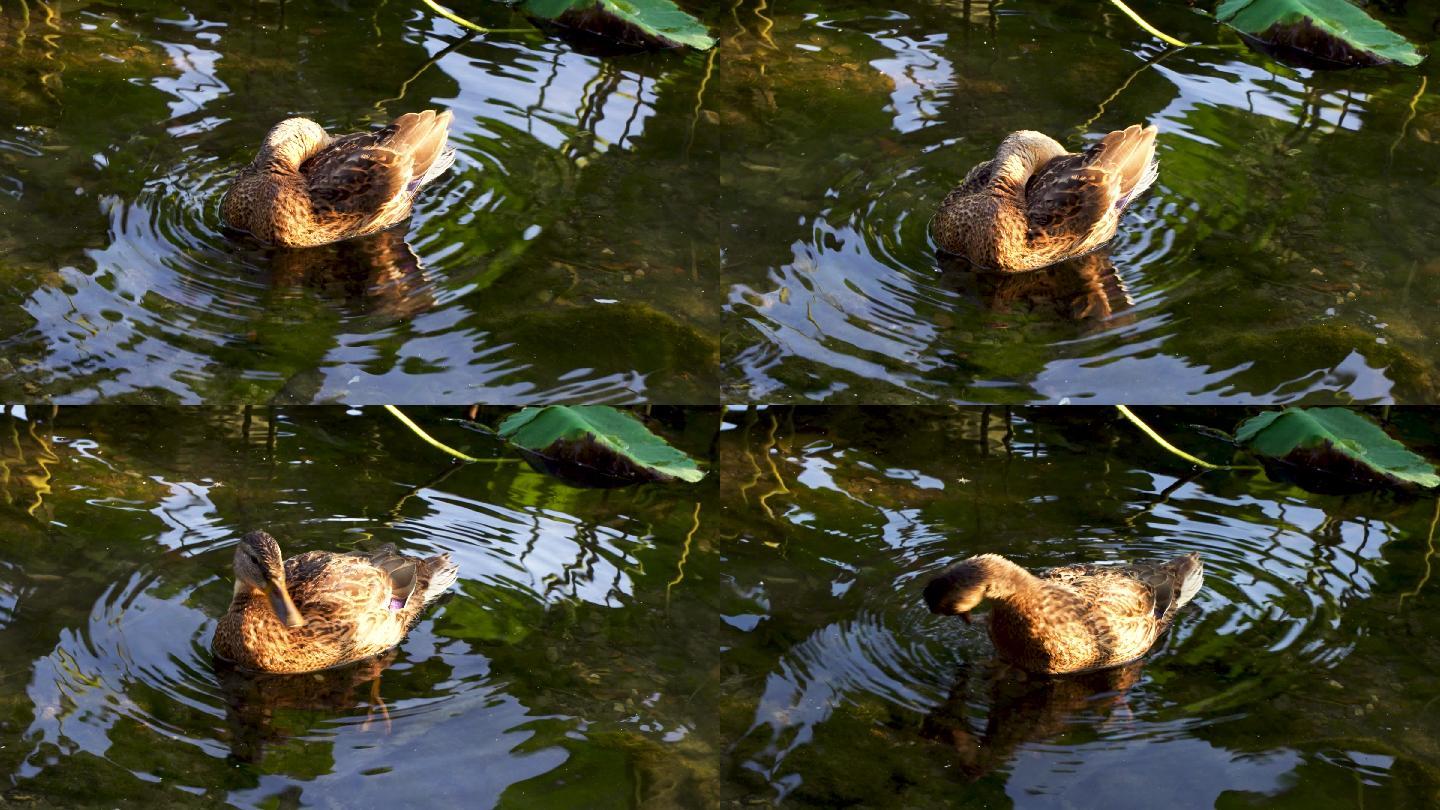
x: 1088, y: 290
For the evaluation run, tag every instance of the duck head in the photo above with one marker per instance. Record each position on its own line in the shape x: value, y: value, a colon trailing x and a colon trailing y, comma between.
x: 1025, y: 151
x: 259, y: 566
x: 291, y: 141
x: 960, y: 588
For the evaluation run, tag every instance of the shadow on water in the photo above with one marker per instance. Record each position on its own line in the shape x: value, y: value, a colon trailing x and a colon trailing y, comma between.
x: 1023, y: 709
x: 1088, y: 290
x: 378, y: 274
x: 256, y: 702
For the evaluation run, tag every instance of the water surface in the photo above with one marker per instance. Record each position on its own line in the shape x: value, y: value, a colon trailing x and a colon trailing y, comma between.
x: 654, y: 227
x: 1303, y: 674
x: 534, y: 270
x: 1284, y: 255
x: 755, y: 639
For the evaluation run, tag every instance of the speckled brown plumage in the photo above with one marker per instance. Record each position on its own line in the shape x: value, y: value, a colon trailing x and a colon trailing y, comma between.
x: 305, y: 188
x: 1071, y: 619
x: 352, y: 606
x: 1035, y: 204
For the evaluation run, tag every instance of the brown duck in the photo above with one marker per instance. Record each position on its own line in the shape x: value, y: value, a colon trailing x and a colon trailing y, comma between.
x: 1035, y: 204
x: 1070, y: 619
x: 320, y: 609
x: 305, y: 188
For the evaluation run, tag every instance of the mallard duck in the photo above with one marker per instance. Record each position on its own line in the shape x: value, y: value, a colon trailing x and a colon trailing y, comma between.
x: 1035, y: 204
x: 321, y: 609
x: 1070, y: 619
x: 305, y: 188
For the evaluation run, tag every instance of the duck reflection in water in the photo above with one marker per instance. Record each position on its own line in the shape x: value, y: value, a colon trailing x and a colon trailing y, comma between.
x: 377, y: 274
x: 1087, y: 289
x: 263, y: 708
x: 1026, y: 708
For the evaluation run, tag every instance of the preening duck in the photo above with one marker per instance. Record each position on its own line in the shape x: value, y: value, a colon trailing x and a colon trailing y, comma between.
x: 1035, y: 204
x: 1070, y: 619
x: 305, y: 188
x: 322, y: 609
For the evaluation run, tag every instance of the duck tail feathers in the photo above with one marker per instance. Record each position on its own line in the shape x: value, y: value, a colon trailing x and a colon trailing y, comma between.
x: 443, y: 573
x: 442, y: 164
x: 1129, y: 155
x: 1190, y: 572
x: 423, y: 137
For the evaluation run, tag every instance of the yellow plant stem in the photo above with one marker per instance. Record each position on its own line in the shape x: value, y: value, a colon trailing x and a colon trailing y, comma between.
x: 700, y: 97
x: 684, y: 554
x: 1405, y: 127
x: 405, y: 420
x: 1140, y: 21
x: 780, y: 488
x: 464, y: 23
x: 1429, y: 552
x: 1160, y: 440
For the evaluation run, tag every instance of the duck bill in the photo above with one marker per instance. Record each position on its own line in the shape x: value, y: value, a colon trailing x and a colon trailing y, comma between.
x: 284, y: 607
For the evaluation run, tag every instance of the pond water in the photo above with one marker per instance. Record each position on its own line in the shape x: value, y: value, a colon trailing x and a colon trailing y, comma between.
x: 539, y: 268
x: 753, y: 219
x: 754, y: 639
x: 1285, y: 253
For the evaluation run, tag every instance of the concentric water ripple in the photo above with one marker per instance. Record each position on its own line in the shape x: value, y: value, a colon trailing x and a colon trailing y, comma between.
x: 1283, y: 574
x: 136, y: 290
x: 861, y: 311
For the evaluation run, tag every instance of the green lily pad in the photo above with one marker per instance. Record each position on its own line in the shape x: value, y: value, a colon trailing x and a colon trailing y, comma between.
x: 1330, y: 32
x: 1333, y: 450
x: 595, y: 445
x: 635, y: 22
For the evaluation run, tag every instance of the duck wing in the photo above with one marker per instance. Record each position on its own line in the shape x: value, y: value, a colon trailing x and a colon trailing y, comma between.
x: 356, y: 174
x: 367, y: 172
x: 401, y: 571
x: 1149, y: 589
x: 335, y: 586
x: 414, y: 581
x: 1072, y: 193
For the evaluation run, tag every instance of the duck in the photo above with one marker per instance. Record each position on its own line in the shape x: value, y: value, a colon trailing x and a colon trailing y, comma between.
x: 1035, y: 204
x: 1075, y: 618
x: 305, y: 188
x: 323, y: 609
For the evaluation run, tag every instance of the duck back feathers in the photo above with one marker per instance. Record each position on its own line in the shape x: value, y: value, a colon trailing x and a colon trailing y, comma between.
x: 305, y: 189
